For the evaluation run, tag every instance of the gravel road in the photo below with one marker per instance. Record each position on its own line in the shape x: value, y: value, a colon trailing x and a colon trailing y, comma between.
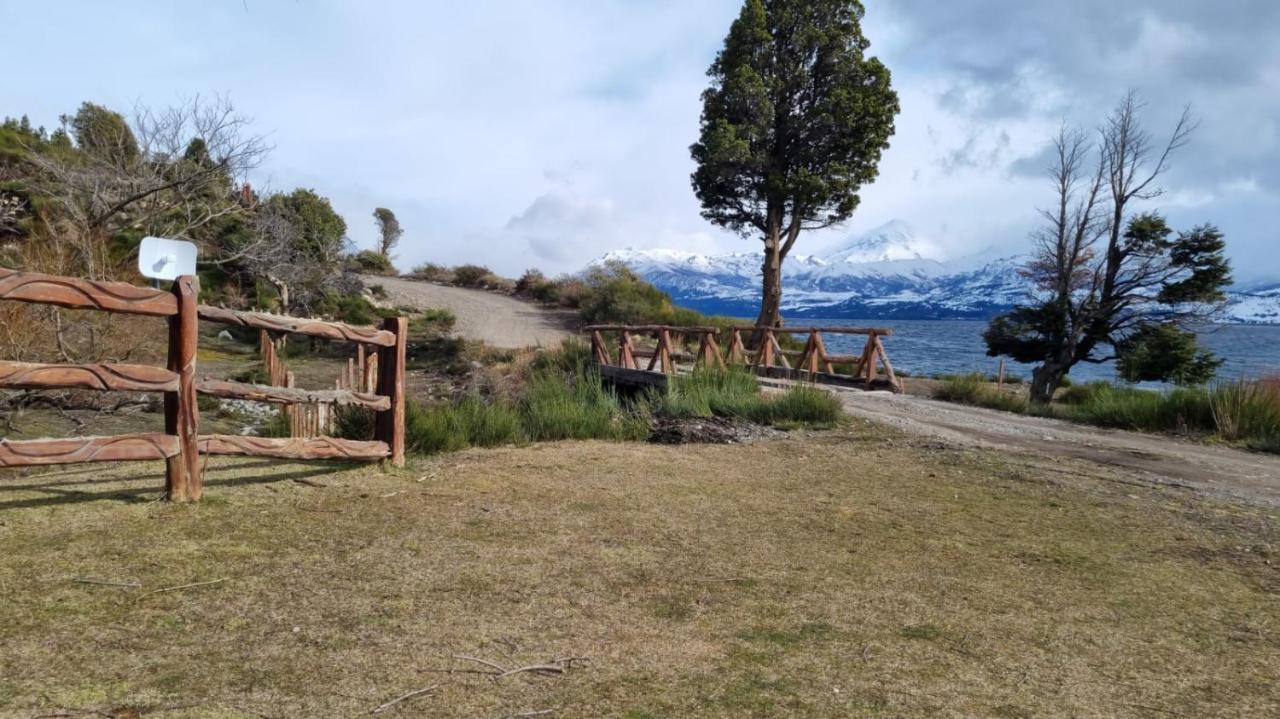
x: 1221, y: 471
x: 1215, y: 470
x: 498, y: 320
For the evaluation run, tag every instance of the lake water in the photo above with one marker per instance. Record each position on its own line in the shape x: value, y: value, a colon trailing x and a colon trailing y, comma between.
x: 925, y: 347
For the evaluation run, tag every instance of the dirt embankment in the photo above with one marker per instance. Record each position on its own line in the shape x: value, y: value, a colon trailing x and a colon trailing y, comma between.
x: 1160, y: 459
x: 496, y: 320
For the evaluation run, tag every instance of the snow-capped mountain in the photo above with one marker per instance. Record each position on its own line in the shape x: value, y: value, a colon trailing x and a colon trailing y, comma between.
x: 889, y: 273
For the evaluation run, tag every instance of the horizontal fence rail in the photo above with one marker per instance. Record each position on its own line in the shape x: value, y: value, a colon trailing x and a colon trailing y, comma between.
x: 104, y: 377
x: 377, y: 385
x: 227, y: 389
x: 78, y: 294
x: 757, y: 348
x: 123, y: 447
x: 298, y: 326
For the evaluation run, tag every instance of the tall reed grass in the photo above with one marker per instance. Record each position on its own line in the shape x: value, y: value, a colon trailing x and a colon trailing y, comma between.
x: 1244, y: 412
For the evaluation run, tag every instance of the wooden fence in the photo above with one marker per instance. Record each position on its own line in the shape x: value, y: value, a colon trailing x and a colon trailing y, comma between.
x: 180, y: 445
x: 316, y: 415
x: 758, y: 348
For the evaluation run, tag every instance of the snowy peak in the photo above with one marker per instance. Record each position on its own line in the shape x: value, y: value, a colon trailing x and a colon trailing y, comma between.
x: 891, y: 242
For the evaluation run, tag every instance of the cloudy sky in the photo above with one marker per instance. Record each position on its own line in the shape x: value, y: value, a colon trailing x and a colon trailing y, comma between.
x: 523, y: 134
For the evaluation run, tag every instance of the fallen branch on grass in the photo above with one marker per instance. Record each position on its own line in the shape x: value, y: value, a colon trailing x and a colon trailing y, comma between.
x: 183, y: 586
x: 107, y: 582
x: 555, y: 666
x: 404, y: 697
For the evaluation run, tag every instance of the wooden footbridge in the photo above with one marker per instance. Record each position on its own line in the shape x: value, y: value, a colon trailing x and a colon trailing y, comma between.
x: 620, y: 352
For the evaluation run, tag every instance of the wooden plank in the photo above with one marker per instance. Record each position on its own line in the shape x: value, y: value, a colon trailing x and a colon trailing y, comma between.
x: 647, y: 328
x: 599, y: 349
x: 75, y: 293
x: 629, y: 377
x: 888, y: 368
x: 389, y: 425
x: 121, y: 448
x: 885, y: 331
x: 299, y: 325
x: 181, y: 415
x: 105, y: 377
x: 293, y: 447
x: 289, y: 395
x: 626, y: 351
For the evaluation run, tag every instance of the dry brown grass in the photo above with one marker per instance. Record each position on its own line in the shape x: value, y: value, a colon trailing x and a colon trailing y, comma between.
x: 848, y: 574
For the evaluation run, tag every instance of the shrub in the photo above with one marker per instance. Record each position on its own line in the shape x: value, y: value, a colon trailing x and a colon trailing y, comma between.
x: 569, y: 292
x: 1246, y: 411
x: 432, y: 272
x: 579, y: 408
x: 799, y: 406
x: 960, y: 388
x: 353, y: 423
x: 374, y: 263
x: 477, y: 276
x: 973, y: 388
x: 704, y: 393
x: 437, y: 320
x: 572, y: 356
x: 469, y: 422
x: 614, y: 293
x: 735, y: 393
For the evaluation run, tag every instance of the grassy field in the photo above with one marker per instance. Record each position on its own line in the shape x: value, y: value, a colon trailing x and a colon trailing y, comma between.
x: 850, y: 573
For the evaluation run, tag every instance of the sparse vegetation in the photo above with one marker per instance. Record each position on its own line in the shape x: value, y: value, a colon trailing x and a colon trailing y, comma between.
x: 1243, y: 412
x: 701, y: 581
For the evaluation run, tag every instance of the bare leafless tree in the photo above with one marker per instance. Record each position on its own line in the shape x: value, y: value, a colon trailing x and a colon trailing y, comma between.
x: 173, y: 175
x: 1101, y: 275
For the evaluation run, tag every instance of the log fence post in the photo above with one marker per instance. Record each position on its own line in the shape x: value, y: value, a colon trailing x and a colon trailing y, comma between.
x: 181, y: 414
x: 390, y: 424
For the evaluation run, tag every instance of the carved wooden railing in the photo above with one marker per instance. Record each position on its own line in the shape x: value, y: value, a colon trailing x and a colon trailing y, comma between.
x: 758, y: 348
x: 180, y: 444
x: 312, y: 413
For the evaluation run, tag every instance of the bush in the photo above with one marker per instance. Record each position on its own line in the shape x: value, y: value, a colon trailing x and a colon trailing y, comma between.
x: 1246, y: 411
x: 974, y: 388
x: 476, y: 276
x: 735, y: 393
x: 534, y: 285
x: 960, y: 388
x: 469, y: 422
x: 374, y: 263
x: 799, y: 406
x: 569, y: 293
x: 578, y: 408
x: 705, y: 393
x: 432, y: 272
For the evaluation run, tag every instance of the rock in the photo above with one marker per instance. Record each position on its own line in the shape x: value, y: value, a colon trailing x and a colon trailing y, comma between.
x: 225, y: 335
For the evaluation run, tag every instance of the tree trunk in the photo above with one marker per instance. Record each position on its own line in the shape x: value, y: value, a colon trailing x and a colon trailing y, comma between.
x: 771, y: 299
x: 1045, y: 380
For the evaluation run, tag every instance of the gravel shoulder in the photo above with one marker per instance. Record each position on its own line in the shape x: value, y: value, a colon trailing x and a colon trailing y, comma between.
x: 1211, y: 469
x: 497, y: 320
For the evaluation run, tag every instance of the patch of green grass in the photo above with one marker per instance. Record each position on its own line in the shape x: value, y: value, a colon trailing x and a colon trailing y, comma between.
x: 578, y: 407
x: 470, y: 422
x: 735, y: 393
x: 809, y: 631
x: 926, y: 632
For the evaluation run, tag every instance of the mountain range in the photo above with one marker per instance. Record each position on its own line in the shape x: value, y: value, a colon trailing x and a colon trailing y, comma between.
x: 891, y: 272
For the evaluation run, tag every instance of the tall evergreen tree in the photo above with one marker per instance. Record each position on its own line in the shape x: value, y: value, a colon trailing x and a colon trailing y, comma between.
x: 793, y: 125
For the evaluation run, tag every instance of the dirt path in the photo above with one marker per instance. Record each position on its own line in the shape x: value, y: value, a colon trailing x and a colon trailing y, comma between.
x: 1215, y: 470
x: 497, y: 320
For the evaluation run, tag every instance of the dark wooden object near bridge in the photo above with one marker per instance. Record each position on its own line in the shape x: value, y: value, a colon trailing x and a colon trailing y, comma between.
x: 757, y: 348
x: 180, y: 445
